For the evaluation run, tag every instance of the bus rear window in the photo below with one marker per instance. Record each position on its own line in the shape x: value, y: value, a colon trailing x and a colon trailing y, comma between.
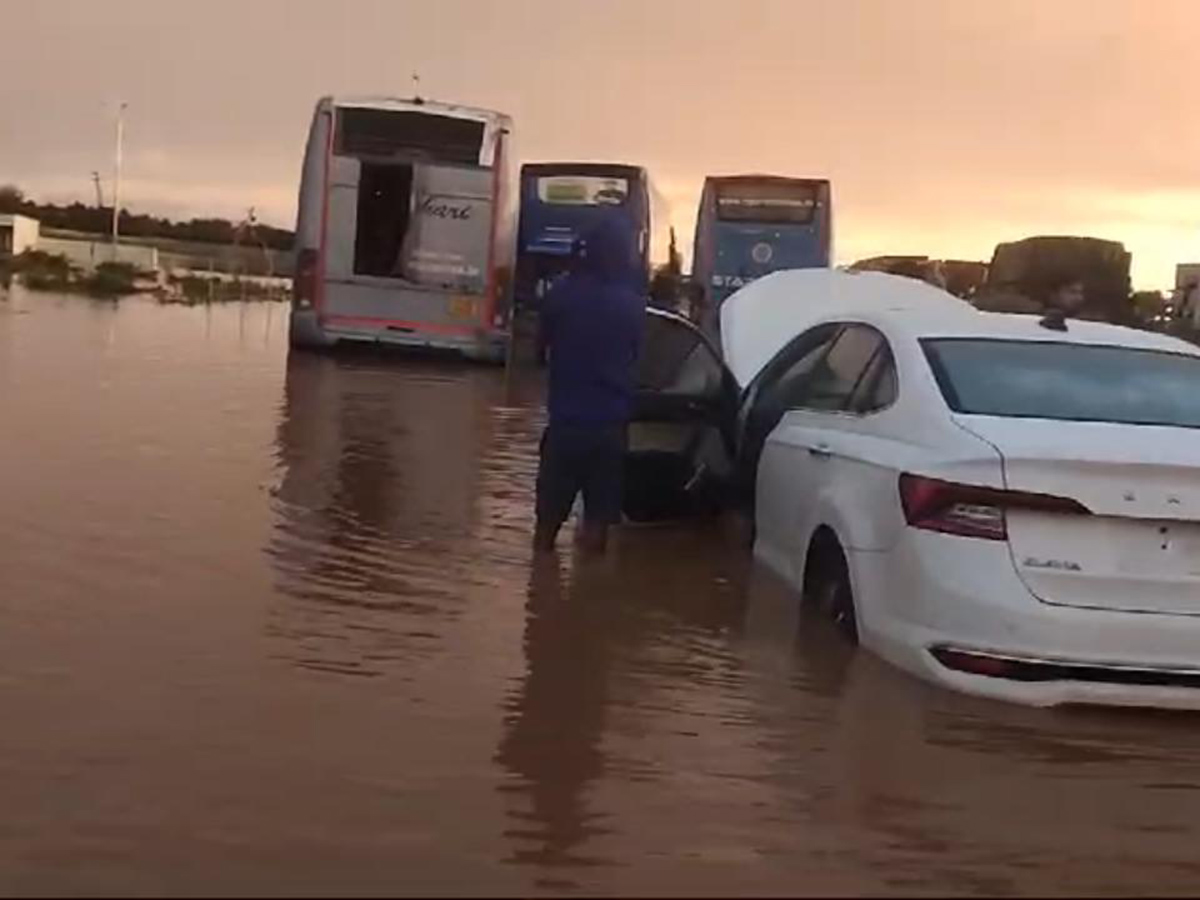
x: 582, y: 190
x: 767, y: 203
x: 366, y: 132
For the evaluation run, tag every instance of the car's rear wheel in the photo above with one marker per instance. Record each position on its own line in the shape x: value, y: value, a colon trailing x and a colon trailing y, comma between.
x: 827, y: 587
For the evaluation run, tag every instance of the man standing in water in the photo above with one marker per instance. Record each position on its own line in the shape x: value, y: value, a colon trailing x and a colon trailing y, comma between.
x: 591, y: 324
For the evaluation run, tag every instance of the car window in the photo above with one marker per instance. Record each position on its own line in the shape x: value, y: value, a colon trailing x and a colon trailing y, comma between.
x: 700, y: 373
x: 877, y: 388
x: 779, y: 382
x: 883, y: 393
x: 791, y: 380
x: 675, y: 359
x: 831, y: 383
x: 790, y: 365
x: 1066, y: 382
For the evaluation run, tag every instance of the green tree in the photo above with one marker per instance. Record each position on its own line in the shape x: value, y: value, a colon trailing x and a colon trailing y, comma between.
x: 12, y: 198
x: 1148, y: 304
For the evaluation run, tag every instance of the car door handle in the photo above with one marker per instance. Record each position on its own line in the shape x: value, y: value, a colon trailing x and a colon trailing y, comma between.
x: 820, y: 451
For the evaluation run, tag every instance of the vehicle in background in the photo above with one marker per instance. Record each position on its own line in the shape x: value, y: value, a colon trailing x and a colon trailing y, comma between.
x: 1186, y: 296
x: 560, y: 204
x: 404, y: 232
x: 1022, y: 274
x: 921, y: 268
x: 962, y: 278
x: 751, y: 225
x: 989, y: 503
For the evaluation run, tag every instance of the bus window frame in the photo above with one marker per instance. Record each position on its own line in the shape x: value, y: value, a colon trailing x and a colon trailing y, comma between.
x: 755, y: 207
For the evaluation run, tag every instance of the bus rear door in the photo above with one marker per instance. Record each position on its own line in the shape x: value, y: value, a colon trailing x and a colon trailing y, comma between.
x: 407, y: 249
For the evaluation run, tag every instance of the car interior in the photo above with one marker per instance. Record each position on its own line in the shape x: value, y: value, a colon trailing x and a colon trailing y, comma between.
x: 679, y: 446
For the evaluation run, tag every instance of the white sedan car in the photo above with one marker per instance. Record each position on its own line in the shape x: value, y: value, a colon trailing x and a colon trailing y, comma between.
x: 987, y: 501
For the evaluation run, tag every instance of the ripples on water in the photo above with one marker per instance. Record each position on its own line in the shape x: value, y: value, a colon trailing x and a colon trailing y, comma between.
x: 273, y: 627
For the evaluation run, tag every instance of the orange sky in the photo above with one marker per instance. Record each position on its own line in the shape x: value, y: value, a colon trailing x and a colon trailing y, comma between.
x: 946, y: 125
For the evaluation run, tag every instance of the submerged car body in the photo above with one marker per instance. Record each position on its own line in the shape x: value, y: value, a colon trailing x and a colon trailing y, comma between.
x: 985, y: 500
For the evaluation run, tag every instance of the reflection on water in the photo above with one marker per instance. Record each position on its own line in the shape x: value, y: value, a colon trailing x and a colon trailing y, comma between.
x: 378, y: 499
x: 601, y: 635
x: 272, y: 627
x: 555, y: 723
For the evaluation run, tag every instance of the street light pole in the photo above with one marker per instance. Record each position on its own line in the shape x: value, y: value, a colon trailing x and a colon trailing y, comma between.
x: 116, y: 220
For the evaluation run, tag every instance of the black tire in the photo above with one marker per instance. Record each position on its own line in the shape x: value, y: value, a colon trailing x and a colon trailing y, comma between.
x: 747, y: 527
x: 827, y: 587
x: 305, y: 334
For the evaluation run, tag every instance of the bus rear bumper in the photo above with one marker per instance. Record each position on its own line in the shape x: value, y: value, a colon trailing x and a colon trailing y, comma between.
x: 308, y: 332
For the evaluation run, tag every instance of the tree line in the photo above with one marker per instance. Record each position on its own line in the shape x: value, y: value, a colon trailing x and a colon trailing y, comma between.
x: 98, y: 220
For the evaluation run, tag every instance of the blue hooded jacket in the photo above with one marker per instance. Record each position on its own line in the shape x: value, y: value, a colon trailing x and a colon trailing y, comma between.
x: 592, y: 322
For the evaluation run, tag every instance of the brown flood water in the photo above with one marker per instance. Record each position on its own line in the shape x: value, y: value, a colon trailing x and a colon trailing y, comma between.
x: 272, y: 628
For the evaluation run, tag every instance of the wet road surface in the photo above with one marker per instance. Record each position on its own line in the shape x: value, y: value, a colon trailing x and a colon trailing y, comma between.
x: 274, y: 628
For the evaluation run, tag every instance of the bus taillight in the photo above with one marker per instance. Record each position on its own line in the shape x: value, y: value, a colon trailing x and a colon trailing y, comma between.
x: 304, y: 284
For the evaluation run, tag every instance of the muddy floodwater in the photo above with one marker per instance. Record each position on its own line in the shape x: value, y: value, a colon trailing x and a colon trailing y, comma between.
x: 273, y: 628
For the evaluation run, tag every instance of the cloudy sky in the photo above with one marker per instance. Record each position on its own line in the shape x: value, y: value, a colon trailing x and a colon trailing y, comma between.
x: 946, y: 125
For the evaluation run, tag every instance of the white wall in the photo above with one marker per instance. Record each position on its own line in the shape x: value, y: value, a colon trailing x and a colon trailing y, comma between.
x: 89, y: 254
x: 25, y: 234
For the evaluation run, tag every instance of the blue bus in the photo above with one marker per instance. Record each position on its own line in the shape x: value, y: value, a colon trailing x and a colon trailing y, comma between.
x: 751, y: 225
x: 560, y: 203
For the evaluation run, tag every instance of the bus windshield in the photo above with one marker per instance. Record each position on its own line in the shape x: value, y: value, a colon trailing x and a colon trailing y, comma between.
x: 767, y: 202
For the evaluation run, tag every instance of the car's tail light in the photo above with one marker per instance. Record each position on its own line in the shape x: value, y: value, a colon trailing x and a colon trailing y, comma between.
x: 304, y: 283
x: 970, y: 510
x: 973, y: 662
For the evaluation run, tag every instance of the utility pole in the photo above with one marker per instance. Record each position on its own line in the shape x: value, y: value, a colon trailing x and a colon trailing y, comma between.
x: 116, y: 220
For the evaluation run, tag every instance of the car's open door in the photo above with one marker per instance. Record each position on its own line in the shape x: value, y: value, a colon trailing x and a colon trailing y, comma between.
x: 680, y: 439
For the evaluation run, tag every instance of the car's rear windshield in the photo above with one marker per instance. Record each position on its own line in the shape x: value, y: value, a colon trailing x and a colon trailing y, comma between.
x: 1067, y: 382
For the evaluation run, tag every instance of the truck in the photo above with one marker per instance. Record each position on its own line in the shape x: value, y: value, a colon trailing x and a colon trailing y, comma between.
x: 1023, y: 273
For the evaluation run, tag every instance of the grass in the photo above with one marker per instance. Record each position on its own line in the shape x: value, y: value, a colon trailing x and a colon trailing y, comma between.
x: 196, y: 289
x: 41, y: 271
x: 111, y: 279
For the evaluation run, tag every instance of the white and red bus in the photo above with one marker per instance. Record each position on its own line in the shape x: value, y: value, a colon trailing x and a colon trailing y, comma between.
x: 405, y: 227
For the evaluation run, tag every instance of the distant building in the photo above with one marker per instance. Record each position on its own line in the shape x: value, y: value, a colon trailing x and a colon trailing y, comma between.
x: 1187, y: 292
x: 17, y: 234
x: 960, y: 277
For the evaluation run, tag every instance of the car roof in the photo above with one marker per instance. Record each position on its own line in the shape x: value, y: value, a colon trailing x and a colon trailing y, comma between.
x: 1013, y: 327
x: 762, y: 318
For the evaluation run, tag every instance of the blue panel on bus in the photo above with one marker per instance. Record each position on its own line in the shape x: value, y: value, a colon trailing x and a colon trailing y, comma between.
x: 746, y: 252
x: 751, y: 225
x: 550, y: 241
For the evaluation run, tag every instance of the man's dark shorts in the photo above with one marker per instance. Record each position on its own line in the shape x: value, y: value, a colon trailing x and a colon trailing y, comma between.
x: 585, y: 459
